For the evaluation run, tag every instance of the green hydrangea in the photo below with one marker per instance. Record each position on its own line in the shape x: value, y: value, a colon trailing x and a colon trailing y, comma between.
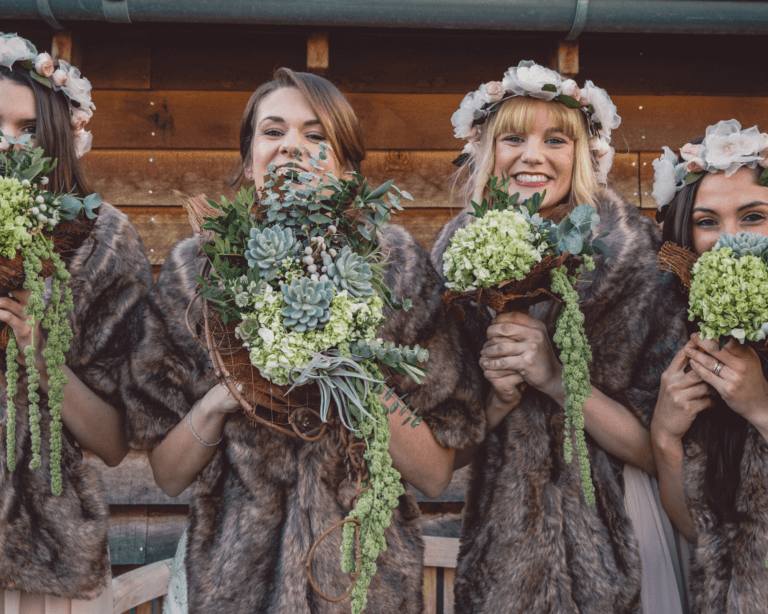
x: 496, y: 247
x: 273, y: 346
x: 729, y: 295
x: 13, y: 221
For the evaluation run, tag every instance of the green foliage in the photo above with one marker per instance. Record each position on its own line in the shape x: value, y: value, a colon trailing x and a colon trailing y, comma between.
x: 729, y: 295
x: 25, y: 209
x: 11, y: 387
x: 374, y: 507
x: 575, y: 356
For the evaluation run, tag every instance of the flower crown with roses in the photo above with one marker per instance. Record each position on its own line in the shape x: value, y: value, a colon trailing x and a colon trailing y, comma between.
x: 531, y: 79
x: 726, y: 147
x: 65, y: 78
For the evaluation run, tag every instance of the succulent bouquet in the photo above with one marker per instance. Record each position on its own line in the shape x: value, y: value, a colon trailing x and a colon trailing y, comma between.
x: 300, y: 274
x: 35, y: 226
x: 511, y: 258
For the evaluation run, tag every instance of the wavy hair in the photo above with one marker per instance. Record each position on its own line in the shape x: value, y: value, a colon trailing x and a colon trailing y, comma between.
x: 338, y: 119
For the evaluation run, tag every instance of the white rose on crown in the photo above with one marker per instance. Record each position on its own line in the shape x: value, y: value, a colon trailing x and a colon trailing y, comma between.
x: 76, y: 88
x: 528, y: 78
x: 605, y: 110
x: 15, y: 49
x: 668, y: 175
x: 727, y: 147
x: 464, y: 117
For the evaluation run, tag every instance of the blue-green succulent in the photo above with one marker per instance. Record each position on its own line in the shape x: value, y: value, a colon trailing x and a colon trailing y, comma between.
x: 268, y: 248
x: 744, y: 243
x: 350, y: 272
x: 307, y: 304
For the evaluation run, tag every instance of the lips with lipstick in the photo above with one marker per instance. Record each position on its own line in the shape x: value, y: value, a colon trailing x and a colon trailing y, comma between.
x: 530, y: 181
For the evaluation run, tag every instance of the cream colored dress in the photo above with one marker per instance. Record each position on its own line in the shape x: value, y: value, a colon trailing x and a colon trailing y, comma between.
x: 664, y: 552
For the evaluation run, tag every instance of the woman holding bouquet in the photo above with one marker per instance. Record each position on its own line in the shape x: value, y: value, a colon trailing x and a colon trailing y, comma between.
x: 262, y: 499
x: 710, y: 427
x: 529, y: 542
x: 57, y: 545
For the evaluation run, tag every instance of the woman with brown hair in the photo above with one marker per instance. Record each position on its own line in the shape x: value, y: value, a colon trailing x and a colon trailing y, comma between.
x: 530, y: 543
x: 57, y: 545
x: 262, y: 499
x: 710, y: 428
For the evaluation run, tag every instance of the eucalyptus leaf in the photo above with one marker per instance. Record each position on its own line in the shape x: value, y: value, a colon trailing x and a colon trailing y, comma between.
x: 549, y: 87
x: 692, y: 177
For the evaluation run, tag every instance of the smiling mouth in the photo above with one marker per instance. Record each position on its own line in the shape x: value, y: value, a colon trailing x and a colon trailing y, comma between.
x: 531, y: 180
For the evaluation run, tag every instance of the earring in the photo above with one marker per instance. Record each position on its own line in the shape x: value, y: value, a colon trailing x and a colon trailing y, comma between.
x: 248, y: 175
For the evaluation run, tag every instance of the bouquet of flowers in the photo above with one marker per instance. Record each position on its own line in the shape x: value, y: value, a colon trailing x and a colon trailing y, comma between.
x: 298, y: 282
x: 511, y: 258
x: 728, y: 286
x: 37, y: 229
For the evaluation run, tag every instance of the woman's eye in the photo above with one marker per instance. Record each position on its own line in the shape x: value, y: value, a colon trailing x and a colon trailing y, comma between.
x: 556, y: 140
x: 316, y: 137
x: 513, y: 138
x: 272, y: 132
x: 705, y: 221
x: 31, y: 129
x: 754, y: 217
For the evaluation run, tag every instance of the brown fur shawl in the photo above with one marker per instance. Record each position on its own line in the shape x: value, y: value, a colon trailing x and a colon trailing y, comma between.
x: 58, y: 545
x: 529, y: 543
x: 265, y: 498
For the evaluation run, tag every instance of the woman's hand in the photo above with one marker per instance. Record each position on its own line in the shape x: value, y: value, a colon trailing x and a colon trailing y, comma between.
x: 518, y: 350
x: 681, y: 397
x: 736, y: 374
x: 12, y: 313
x: 218, y: 400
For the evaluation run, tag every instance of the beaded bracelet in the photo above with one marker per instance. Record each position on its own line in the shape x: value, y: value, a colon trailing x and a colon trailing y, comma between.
x: 192, y: 428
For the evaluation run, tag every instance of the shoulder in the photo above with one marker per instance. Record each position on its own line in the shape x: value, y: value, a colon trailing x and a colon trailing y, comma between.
x: 630, y: 231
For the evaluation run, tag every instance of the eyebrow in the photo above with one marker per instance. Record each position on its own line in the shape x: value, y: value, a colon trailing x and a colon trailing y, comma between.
x: 755, y: 203
x: 275, y: 118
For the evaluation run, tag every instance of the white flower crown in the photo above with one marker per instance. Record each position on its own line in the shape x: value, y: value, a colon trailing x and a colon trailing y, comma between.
x: 65, y: 78
x: 726, y: 147
x: 531, y: 79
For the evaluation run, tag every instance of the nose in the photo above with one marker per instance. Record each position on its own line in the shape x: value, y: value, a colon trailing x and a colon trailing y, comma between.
x: 532, y: 152
x: 291, y: 142
x: 731, y: 227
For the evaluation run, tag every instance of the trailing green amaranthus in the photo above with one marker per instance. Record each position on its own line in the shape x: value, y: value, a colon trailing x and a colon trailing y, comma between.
x: 375, y: 505
x: 575, y: 355
x: 54, y: 320
x: 29, y: 214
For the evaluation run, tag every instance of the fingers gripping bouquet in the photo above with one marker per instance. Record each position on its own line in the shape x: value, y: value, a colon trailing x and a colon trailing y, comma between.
x: 39, y: 229
x: 511, y: 258
x: 297, y: 279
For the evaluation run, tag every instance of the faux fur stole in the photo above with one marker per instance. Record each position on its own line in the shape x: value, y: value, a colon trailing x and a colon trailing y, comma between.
x: 529, y: 542
x: 58, y: 545
x: 265, y: 498
x: 728, y: 573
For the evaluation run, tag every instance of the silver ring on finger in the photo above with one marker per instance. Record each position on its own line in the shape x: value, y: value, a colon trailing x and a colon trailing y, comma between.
x: 717, y: 368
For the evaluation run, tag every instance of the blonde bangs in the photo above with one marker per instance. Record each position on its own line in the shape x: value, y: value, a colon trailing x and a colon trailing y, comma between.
x: 518, y: 115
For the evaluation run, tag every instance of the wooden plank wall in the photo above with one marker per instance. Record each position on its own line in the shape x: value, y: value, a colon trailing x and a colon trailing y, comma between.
x: 170, y: 98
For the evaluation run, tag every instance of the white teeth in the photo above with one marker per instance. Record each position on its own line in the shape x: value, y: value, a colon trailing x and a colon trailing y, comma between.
x: 531, y: 178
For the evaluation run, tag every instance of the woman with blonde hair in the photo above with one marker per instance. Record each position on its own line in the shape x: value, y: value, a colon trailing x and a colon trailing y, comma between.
x: 529, y: 541
x: 262, y: 499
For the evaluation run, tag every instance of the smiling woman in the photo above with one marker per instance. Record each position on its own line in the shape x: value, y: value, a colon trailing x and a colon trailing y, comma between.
x: 530, y: 543
x: 710, y: 427
x: 262, y: 498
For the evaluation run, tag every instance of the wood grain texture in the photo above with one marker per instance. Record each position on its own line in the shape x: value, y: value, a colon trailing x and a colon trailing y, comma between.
x: 141, y: 585
x: 164, y: 528
x: 187, y: 120
x: 116, y: 59
x: 128, y: 534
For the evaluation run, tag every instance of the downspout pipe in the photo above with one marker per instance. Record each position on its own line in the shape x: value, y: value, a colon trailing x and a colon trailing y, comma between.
x: 609, y: 16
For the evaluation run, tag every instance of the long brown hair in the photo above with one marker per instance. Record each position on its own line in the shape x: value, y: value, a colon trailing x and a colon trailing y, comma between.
x: 720, y: 431
x: 341, y: 125
x: 53, y: 133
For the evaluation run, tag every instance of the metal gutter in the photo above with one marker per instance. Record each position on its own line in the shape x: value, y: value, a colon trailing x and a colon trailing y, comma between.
x: 610, y: 16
